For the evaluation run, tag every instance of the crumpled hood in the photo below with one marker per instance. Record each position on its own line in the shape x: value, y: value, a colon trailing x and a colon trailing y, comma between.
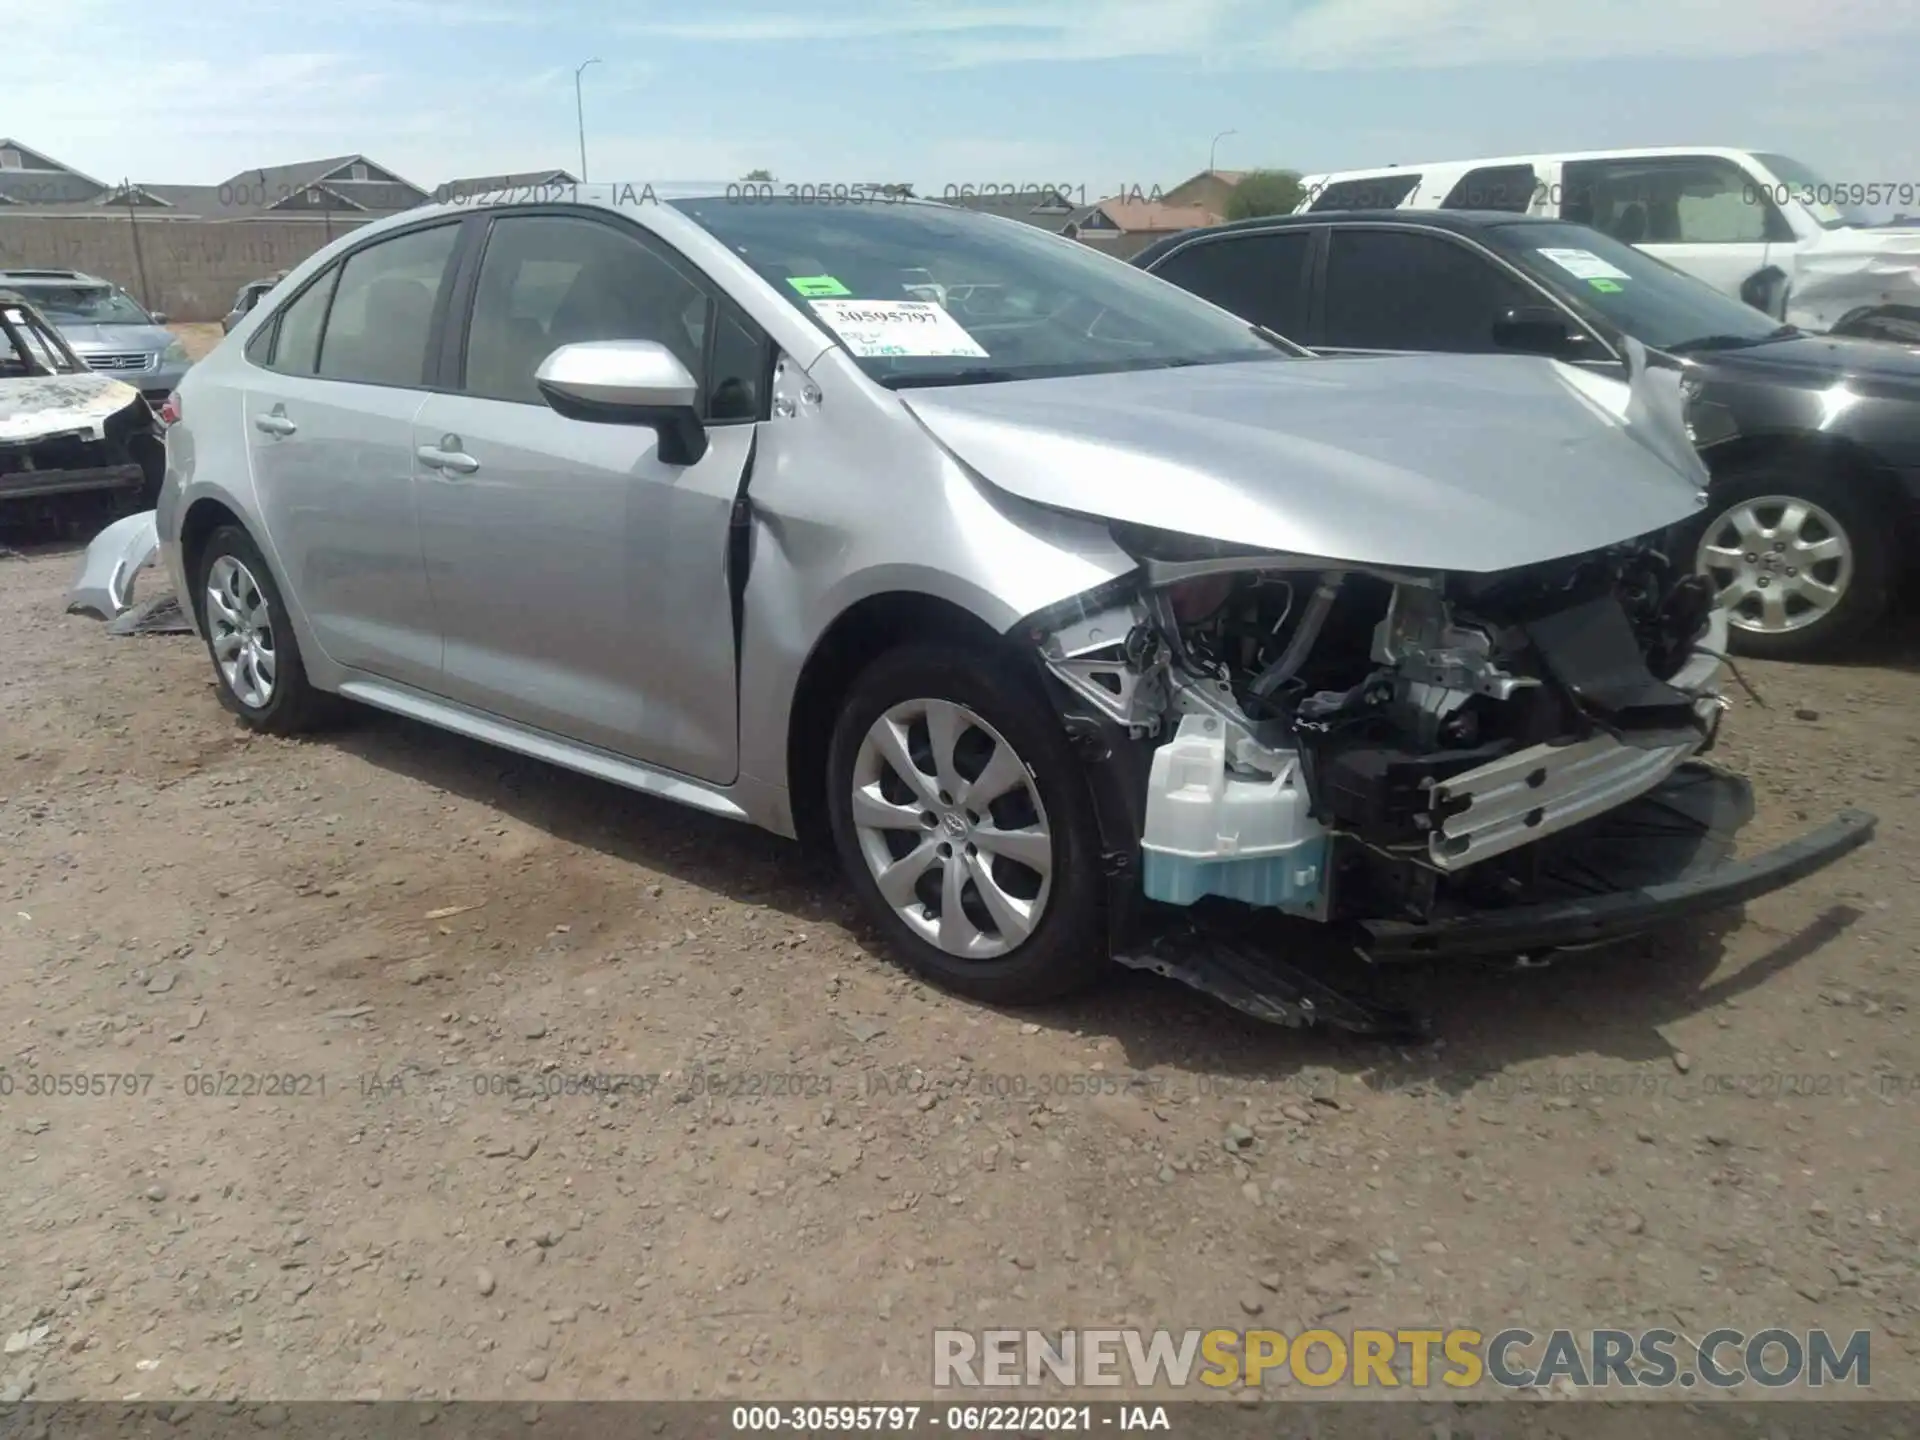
x: 1839, y: 271
x: 1468, y: 463
x: 59, y: 404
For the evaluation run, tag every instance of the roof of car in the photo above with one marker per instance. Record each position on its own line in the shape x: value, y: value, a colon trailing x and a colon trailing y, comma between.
x: 1489, y: 162
x: 1457, y: 220
x: 19, y: 274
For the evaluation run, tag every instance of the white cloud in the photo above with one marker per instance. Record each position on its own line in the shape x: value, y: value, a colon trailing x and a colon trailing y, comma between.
x: 1311, y: 34
x: 1380, y: 34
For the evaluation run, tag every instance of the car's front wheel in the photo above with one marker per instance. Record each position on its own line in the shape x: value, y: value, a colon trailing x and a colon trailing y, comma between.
x: 1800, y: 559
x: 256, y: 658
x: 966, y: 827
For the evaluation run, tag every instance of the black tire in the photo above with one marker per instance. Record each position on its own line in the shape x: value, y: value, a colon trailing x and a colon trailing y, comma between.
x: 1895, y: 324
x: 1066, y: 950
x: 292, y: 706
x: 1869, y: 531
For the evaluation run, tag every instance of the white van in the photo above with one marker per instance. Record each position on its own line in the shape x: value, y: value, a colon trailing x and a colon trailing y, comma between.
x: 1753, y: 224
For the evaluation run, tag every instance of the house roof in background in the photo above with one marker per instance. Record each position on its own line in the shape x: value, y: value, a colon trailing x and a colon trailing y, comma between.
x: 1137, y: 216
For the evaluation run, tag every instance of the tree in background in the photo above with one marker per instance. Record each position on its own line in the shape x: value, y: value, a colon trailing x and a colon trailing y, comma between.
x: 1265, y: 192
x: 757, y: 175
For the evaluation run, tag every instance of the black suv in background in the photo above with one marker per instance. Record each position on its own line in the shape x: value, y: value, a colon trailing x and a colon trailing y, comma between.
x: 1813, y: 442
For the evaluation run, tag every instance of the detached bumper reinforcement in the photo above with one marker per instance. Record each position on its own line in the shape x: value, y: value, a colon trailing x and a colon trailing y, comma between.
x: 1565, y: 924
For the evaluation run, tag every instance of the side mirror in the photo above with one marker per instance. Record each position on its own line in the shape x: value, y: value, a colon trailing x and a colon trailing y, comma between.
x: 1537, y: 330
x: 627, y: 382
x: 1766, y: 291
x: 159, y: 316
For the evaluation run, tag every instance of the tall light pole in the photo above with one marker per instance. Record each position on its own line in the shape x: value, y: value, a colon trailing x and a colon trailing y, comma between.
x: 580, y: 113
x: 1214, y: 149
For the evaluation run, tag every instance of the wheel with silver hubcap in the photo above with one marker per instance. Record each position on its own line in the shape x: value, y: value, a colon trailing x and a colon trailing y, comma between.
x: 1800, y: 558
x: 964, y: 824
x: 1778, y: 563
x: 256, y: 657
x: 240, y: 631
x: 952, y: 828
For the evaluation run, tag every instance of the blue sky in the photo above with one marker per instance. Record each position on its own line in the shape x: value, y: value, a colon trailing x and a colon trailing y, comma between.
x: 1087, y: 93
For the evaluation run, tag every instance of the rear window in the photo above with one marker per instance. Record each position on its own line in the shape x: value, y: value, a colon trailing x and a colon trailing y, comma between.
x: 1494, y: 187
x: 1380, y: 192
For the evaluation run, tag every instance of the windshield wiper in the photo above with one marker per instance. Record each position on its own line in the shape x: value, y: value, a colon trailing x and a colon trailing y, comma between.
x: 948, y: 377
x: 1733, y: 342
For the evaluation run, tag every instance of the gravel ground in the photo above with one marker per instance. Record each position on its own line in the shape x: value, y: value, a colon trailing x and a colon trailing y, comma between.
x: 1715, y: 1128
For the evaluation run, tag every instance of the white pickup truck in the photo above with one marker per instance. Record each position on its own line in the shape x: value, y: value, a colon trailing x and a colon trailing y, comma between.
x: 1756, y: 225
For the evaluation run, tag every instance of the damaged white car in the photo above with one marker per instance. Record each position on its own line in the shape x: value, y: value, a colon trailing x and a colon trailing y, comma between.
x: 66, y: 431
x: 1057, y: 607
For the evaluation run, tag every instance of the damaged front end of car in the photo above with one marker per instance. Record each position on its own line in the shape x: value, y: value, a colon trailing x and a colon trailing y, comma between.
x: 1429, y: 764
x: 67, y: 432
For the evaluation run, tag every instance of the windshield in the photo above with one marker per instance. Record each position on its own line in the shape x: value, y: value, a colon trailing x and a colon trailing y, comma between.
x: 925, y: 295
x: 96, y: 305
x: 1647, y: 298
x: 1834, y: 206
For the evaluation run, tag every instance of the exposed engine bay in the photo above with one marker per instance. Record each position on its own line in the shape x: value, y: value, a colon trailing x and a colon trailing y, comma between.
x: 1364, y: 746
x: 66, y: 431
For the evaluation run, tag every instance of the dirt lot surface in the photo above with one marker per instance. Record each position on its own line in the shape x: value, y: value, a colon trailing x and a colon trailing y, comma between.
x: 198, y: 338
x: 1713, y: 1129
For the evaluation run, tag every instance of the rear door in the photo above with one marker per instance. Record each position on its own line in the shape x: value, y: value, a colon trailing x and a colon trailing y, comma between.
x: 1406, y: 288
x: 330, y: 403
x: 1700, y: 213
x: 581, y: 581
x: 1263, y: 276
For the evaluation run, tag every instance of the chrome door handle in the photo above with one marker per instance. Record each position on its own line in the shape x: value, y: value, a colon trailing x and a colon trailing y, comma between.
x: 274, y: 424
x: 457, y: 461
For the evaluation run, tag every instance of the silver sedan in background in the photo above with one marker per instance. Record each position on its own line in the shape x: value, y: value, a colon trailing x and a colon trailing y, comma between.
x: 1053, y: 599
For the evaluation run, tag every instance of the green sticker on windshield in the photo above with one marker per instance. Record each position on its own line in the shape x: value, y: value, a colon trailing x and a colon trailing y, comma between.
x: 1611, y: 287
x: 817, y: 287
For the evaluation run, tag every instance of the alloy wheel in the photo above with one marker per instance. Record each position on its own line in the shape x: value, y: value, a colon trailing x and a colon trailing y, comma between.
x: 240, y: 632
x: 952, y: 828
x: 1779, y: 563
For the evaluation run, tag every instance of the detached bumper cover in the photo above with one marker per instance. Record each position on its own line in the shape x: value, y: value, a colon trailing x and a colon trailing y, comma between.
x: 1587, y: 920
x: 104, y: 586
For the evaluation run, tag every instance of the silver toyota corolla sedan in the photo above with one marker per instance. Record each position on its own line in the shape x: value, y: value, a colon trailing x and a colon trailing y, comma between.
x: 1083, y: 620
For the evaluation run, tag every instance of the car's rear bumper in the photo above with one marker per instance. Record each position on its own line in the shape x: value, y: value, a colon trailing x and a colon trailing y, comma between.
x: 1579, y: 921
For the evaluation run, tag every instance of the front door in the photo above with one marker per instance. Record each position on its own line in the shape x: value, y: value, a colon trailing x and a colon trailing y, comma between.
x: 1699, y: 213
x: 581, y: 582
x: 330, y: 405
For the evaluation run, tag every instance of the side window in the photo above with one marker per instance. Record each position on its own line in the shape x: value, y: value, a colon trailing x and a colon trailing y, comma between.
x: 738, y: 369
x: 381, y: 321
x: 291, y: 344
x: 1414, y: 290
x: 1494, y: 187
x: 1688, y: 200
x: 1382, y: 192
x: 1260, y: 277
x: 553, y: 280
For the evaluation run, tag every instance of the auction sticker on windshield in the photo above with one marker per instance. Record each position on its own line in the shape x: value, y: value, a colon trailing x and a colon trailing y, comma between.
x: 1585, y: 265
x: 897, y: 329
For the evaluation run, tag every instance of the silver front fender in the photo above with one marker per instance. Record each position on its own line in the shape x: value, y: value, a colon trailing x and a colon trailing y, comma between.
x: 115, y: 556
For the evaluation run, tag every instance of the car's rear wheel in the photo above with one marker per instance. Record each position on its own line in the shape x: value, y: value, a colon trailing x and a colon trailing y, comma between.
x: 1801, y: 560
x: 963, y: 820
x: 256, y: 659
